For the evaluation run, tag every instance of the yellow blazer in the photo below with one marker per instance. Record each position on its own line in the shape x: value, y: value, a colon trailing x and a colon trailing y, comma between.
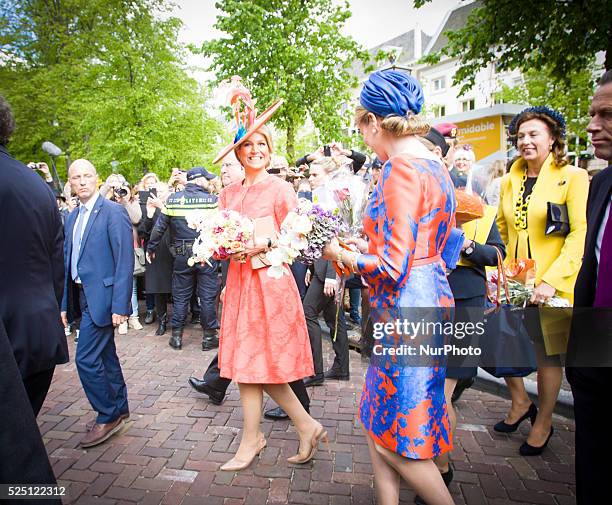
x: 558, y: 259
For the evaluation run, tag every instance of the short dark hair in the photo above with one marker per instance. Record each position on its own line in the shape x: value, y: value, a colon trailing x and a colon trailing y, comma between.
x: 7, y: 121
x: 606, y: 78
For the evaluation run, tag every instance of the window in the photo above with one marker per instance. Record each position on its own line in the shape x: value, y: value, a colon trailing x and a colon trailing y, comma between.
x: 439, y: 110
x: 467, y: 105
x: 439, y: 84
x: 517, y: 81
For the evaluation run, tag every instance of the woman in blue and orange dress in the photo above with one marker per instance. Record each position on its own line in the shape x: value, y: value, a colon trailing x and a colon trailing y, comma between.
x: 407, y: 223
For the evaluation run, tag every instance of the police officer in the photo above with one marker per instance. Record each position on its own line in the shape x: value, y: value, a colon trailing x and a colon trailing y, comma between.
x: 195, y: 196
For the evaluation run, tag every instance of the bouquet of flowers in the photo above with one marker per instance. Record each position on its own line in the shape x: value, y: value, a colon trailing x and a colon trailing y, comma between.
x: 303, y: 235
x: 346, y: 196
x: 351, y: 196
x: 519, y: 294
x: 221, y: 234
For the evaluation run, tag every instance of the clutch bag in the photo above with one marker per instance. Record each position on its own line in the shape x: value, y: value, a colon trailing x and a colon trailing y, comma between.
x: 263, y: 227
x: 557, y: 219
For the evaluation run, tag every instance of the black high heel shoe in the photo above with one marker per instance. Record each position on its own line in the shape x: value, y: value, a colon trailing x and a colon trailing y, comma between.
x: 530, y: 450
x: 504, y: 427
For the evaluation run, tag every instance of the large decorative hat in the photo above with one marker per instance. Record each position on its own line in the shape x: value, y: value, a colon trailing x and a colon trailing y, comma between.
x: 245, y: 116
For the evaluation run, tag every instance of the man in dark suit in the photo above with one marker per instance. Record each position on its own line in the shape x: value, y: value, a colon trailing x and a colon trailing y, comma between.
x: 321, y: 298
x: 591, y: 339
x: 99, y: 259
x: 32, y: 340
x: 32, y: 272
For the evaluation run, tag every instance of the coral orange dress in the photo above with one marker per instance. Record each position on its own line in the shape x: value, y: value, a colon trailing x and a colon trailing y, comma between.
x: 408, y: 220
x: 263, y: 338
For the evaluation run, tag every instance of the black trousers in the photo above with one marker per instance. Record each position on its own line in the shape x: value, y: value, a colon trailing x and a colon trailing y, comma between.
x: 591, y: 387
x: 316, y: 302
x: 184, y: 279
x: 161, y: 303
x: 37, y: 387
x: 213, y: 377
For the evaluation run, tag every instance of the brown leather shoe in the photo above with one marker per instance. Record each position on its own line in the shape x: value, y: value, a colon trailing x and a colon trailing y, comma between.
x: 92, y: 423
x: 100, y: 433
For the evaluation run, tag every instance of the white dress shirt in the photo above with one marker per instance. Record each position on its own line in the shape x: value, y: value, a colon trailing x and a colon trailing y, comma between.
x: 602, y: 228
x: 89, y: 206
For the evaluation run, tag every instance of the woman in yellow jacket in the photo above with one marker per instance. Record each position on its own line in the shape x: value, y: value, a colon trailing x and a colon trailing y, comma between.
x: 540, y: 176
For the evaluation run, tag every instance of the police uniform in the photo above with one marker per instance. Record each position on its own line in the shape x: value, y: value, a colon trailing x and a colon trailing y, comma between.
x: 185, y: 277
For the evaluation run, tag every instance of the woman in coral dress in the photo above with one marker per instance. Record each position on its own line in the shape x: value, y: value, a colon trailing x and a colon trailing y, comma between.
x: 408, y: 220
x: 263, y: 342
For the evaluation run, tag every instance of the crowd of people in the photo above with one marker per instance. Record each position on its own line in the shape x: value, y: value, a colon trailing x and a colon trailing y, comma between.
x: 111, y: 244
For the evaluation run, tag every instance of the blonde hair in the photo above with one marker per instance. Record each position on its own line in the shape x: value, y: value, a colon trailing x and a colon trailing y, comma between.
x: 327, y: 163
x: 398, y: 126
x: 497, y: 169
x: 150, y: 174
x: 427, y: 143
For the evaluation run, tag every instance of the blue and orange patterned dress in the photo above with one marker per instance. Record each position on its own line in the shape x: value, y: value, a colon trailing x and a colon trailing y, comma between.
x: 408, y: 220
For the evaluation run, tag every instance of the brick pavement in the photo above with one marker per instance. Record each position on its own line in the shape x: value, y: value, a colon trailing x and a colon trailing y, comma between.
x: 172, y: 448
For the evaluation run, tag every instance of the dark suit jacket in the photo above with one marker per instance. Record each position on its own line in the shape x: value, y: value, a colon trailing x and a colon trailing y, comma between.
x: 590, y: 342
x: 105, y: 265
x: 599, y: 198
x: 23, y: 458
x: 324, y: 269
x: 31, y: 268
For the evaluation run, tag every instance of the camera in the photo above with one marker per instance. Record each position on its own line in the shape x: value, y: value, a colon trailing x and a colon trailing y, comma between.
x: 326, y: 151
x: 122, y: 191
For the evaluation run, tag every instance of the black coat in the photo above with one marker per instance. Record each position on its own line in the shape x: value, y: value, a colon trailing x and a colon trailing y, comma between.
x: 31, y: 268
x: 599, y: 198
x: 590, y: 342
x: 23, y: 458
x: 158, y: 273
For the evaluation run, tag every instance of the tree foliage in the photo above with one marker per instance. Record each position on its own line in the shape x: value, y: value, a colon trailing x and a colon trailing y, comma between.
x: 291, y: 49
x: 103, y: 79
x: 571, y: 98
x: 561, y: 35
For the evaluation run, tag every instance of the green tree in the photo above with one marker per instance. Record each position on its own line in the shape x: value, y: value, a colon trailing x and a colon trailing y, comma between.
x: 291, y: 49
x: 572, y: 98
x: 104, y: 79
x: 561, y: 35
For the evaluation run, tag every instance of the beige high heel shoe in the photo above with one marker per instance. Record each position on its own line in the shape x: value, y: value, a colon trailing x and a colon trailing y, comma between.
x: 235, y: 464
x: 319, y: 434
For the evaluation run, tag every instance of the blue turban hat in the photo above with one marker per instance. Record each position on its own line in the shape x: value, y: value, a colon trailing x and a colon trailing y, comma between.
x: 392, y: 93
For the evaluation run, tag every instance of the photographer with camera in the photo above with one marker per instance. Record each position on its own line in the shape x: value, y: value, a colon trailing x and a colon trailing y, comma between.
x: 44, y: 171
x: 177, y: 181
x: 334, y: 150
x: 118, y: 190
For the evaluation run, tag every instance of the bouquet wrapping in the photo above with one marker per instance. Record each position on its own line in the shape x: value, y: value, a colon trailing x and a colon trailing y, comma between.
x: 518, y: 293
x: 220, y: 234
x: 303, y: 235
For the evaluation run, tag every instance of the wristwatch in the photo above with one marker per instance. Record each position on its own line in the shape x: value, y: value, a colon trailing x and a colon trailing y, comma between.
x: 469, y: 249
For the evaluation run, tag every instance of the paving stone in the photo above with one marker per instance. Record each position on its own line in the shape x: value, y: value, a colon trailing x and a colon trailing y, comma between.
x: 175, y: 442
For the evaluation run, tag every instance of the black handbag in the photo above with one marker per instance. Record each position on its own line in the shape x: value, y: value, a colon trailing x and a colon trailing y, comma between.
x: 557, y: 219
x: 508, y: 350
